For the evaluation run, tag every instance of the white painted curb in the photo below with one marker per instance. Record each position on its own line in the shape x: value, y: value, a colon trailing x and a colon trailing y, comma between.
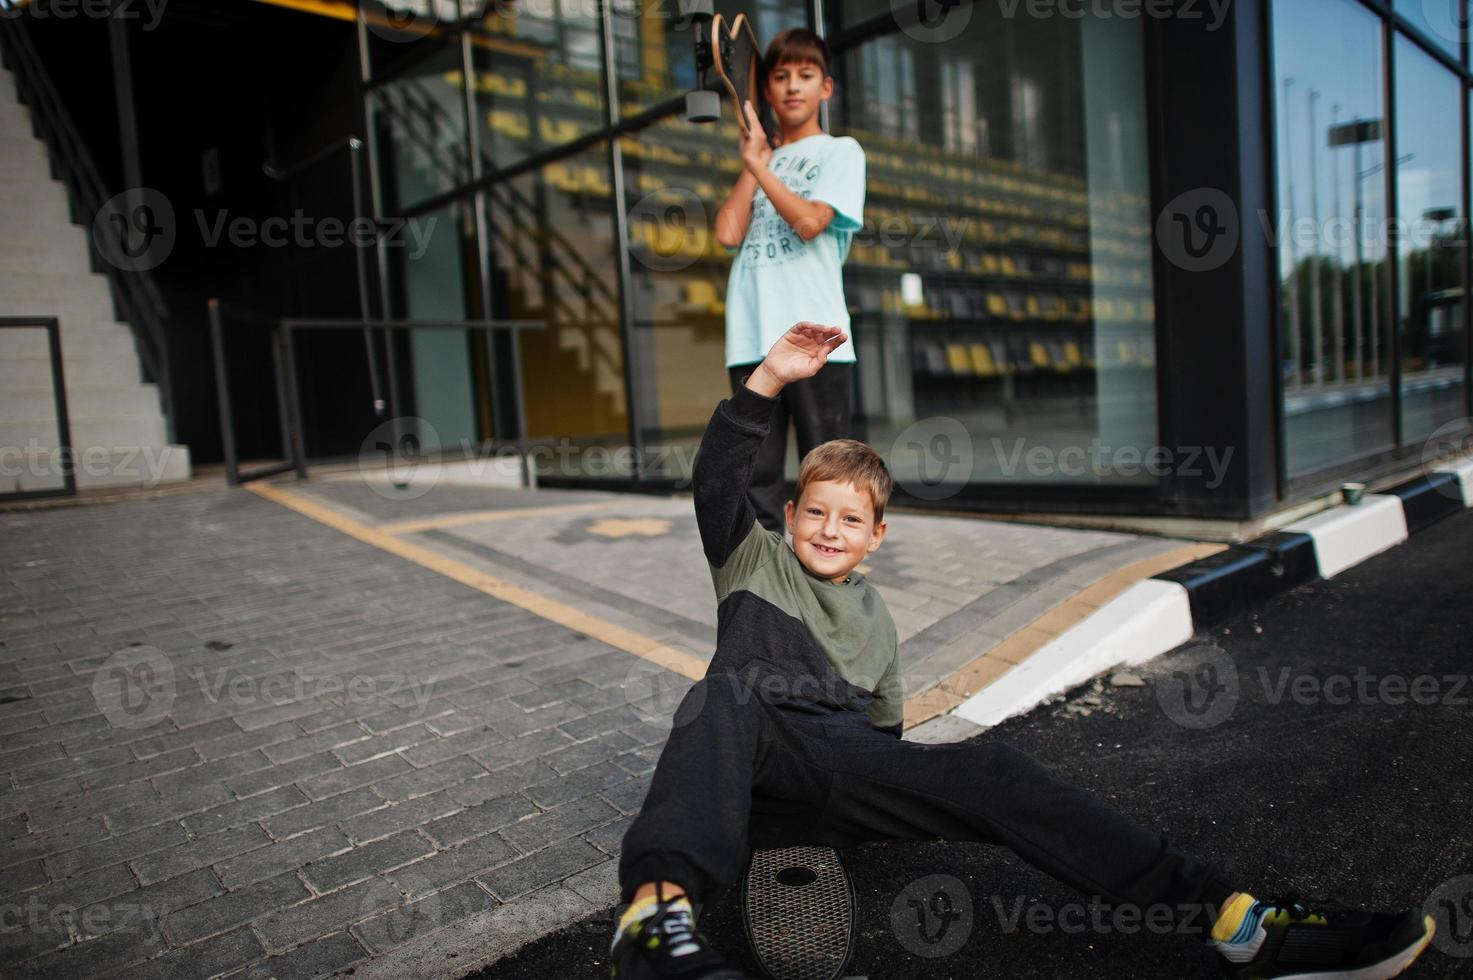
x: 1154, y: 616
x: 1346, y: 536
x: 1463, y: 470
x: 1146, y: 620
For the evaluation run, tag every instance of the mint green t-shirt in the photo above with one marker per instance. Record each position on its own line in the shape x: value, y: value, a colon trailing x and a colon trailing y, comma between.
x: 778, y: 279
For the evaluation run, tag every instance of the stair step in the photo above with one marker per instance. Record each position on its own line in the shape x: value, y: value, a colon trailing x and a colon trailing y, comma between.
x: 112, y: 431
x: 46, y: 248
x: 79, y: 295
x: 133, y: 466
x: 39, y: 403
x: 77, y: 337
x: 22, y: 159
x: 86, y: 370
x: 117, y: 428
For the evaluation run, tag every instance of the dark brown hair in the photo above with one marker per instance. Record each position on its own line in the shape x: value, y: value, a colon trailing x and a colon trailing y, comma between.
x: 848, y: 461
x: 796, y: 44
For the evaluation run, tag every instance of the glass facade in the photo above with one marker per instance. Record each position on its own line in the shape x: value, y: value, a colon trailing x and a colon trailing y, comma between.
x: 1003, y: 289
x: 1004, y: 277
x: 1373, y: 313
x: 1332, y: 232
x: 1429, y: 197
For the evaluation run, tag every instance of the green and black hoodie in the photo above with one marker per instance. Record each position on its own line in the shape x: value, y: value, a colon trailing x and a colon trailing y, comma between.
x: 835, y: 643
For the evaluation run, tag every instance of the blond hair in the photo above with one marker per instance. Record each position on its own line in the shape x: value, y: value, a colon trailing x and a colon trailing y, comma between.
x: 848, y: 461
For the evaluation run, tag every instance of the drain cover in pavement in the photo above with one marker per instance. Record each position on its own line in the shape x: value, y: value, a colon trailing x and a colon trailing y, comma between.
x: 798, y: 907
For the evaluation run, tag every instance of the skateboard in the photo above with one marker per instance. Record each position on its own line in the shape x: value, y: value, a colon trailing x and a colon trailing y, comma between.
x: 726, y: 48
x: 798, y: 910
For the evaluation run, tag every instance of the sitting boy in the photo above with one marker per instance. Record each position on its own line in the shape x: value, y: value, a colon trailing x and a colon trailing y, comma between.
x: 793, y: 737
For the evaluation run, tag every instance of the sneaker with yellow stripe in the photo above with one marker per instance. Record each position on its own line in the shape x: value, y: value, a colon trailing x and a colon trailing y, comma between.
x: 656, y: 939
x: 1284, y: 940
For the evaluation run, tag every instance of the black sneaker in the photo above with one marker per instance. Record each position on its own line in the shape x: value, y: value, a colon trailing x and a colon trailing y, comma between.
x: 665, y: 945
x: 1287, y: 941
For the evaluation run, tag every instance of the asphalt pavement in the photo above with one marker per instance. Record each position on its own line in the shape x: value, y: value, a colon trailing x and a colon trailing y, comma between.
x: 1319, y: 744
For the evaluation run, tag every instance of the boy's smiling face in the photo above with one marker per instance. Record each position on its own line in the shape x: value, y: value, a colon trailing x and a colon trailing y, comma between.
x: 833, y: 528
x: 795, y: 89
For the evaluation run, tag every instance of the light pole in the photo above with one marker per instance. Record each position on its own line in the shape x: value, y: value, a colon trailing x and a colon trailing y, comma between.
x: 1356, y: 133
x: 1316, y: 300
x: 1294, y: 338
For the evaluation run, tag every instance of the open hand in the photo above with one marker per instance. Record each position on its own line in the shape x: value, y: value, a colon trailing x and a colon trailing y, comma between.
x: 755, y: 149
x: 800, y: 352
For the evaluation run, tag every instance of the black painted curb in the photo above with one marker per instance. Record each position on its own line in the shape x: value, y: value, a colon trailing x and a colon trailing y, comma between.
x: 1247, y: 574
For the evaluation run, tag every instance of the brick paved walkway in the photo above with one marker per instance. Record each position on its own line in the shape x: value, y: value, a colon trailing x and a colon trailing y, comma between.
x: 239, y: 741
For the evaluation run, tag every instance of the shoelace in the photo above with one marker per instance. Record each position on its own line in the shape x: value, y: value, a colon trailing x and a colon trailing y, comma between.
x: 676, y: 926
x: 1290, y: 905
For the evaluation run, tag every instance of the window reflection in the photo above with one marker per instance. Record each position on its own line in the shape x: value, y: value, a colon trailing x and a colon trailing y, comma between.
x: 1332, y: 232
x: 1003, y: 278
x: 420, y: 117
x: 1429, y: 193
x: 1437, y: 19
x: 551, y: 244
x: 538, y: 80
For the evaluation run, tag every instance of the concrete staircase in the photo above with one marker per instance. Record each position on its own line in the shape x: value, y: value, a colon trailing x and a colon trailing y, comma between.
x: 119, y: 436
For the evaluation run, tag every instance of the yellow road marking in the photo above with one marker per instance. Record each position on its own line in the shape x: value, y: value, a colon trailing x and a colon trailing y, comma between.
x: 600, y: 629
x: 928, y: 704
x: 484, y: 516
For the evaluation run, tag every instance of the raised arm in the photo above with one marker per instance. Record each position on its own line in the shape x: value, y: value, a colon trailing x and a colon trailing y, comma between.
x: 723, y: 471
x: 723, y: 466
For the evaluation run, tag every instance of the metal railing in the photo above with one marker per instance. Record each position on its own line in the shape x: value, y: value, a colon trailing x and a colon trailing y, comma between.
x: 288, y: 389
x: 282, y: 175
x: 135, y: 294
x: 52, y: 326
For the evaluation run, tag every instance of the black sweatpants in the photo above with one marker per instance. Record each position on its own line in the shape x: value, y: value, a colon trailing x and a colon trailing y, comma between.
x: 740, y: 773
x: 820, y: 409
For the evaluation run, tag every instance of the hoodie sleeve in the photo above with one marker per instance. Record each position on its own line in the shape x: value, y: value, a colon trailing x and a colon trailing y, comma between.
x: 723, y: 470
x: 887, y: 709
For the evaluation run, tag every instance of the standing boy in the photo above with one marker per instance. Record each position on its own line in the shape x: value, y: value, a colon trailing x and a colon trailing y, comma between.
x: 792, y: 215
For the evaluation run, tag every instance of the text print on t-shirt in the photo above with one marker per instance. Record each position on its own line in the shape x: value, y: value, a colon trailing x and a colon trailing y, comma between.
x: 770, y: 239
